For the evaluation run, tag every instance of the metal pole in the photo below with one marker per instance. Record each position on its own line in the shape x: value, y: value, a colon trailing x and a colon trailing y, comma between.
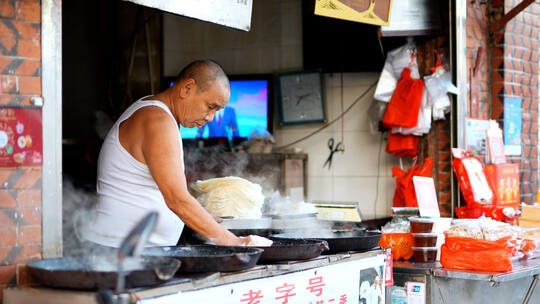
x: 531, y: 289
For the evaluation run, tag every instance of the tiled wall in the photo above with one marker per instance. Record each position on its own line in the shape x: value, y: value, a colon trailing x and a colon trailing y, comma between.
x: 515, y: 75
x: 20, y: 189
x: 353, y: 175
x: 274, y: 42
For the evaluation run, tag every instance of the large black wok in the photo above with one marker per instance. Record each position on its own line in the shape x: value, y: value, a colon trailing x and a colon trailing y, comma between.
x: 292, y: 250
x: 101, y: 272
x: 208, y: 258
x: 338, y: 240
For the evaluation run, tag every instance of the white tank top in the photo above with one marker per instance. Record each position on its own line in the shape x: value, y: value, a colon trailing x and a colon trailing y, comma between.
x: 127, y: 192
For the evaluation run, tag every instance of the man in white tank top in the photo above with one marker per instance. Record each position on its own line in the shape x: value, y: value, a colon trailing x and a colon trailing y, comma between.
x: 141, y: 167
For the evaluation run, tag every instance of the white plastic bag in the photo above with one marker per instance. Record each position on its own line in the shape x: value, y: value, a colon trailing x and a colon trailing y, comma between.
x: 438, y: 85
x: 396, y: 61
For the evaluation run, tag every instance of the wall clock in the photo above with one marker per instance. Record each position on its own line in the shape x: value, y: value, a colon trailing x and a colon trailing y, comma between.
x: 300, y: 97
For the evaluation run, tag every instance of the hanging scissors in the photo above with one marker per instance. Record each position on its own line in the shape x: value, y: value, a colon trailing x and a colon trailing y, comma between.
x: 337, y: 148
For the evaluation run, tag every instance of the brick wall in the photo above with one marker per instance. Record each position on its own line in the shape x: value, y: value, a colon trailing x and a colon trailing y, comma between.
x: 20, y: 188
x: 477, y: 45
x: 515, y: 54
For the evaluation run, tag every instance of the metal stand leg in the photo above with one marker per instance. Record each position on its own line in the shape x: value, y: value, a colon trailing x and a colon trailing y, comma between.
x: 531, y: 289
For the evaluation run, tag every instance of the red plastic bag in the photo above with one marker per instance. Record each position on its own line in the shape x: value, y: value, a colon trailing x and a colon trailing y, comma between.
x: 402, y: 145
x: 405, y: 196
x: 475, y: 254
x: 400, y: 244
x: 402, y: 110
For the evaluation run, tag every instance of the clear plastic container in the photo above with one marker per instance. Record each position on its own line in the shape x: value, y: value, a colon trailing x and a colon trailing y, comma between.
x: 441, y: 224
x: 421, y: 224
x: 425, y: 254
x: 428, y: 239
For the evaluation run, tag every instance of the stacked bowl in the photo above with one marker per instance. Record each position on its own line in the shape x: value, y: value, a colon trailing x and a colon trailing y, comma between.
x: 428, y: 235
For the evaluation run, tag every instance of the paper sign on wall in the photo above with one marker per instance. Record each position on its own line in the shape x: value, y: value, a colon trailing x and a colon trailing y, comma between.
x: 426, y: 196
x: 375, y: 12
x: 512, y: 126
x: 20, y: 137
x: 233, y: 13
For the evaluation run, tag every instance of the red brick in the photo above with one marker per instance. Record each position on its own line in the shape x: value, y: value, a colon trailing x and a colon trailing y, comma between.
x: 30, y: 85
x: 29, y: 198
x: 4, y: 175
x: 7, y: 8
x: 4, y: 62
x: 28, y: 11
x: 8, y: 84
x: 5, y: 31
x: 3, y: 253
x: 9, y: 236
x: 28, y: 253
x: 27, y: 30
x: 6, y: 221
x: 28, y: 67
x: 7, y: 273
x: 28, y: 180
x: 29, y: 49
x: 6, y: 200
x: 30, y: 216
x: 29, y: 235
x: 8, y: 44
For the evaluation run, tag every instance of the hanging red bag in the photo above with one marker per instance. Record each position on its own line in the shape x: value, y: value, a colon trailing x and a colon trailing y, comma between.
x: 403, y: 108
x: 404, y: 195
x: 475, y: 254
x: 402, y: 145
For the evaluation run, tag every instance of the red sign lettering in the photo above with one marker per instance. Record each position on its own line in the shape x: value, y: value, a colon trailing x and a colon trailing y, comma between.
x: 315, y: 286
x: 252, y: 297
x: 343, y: 299
x: 286, y: 289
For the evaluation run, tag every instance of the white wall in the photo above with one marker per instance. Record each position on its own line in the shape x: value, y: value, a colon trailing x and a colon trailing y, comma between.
x: 275, y: 45
x: 353, y: 175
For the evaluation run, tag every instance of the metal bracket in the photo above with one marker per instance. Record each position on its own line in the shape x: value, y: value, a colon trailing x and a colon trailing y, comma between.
x: 494, y: 27
x: 531, y: 289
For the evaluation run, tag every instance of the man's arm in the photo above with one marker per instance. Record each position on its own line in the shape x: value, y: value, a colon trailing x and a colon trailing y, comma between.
x: 161, y: 151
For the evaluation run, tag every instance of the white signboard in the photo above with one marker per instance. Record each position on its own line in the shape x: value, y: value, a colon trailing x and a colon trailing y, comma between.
x: 426, y: 196
x: 339, y: 284
x: 232, y: 13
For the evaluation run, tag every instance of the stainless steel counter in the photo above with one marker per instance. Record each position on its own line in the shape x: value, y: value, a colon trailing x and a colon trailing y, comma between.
x: 469, y: 286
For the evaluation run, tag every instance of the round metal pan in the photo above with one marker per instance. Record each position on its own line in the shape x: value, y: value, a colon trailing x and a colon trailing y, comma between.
x: 338, y: 240
x: 292, y: 250
x: 208, y: 258
x: 92, y: 273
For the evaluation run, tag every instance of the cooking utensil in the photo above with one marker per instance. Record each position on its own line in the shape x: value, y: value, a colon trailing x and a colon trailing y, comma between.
x: 208, y: 258
x: 101, y: 272
x: 292, y: 250
x: 338, y: 240
x: 132, y: 245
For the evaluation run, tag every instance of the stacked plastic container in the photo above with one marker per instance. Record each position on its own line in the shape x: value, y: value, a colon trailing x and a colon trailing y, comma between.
x: 428, y: 235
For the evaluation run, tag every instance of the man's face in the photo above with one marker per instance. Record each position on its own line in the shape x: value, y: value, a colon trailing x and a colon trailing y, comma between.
x: 202, y: 106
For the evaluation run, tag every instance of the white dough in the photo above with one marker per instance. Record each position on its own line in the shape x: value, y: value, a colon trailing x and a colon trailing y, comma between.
x: 231, y: 196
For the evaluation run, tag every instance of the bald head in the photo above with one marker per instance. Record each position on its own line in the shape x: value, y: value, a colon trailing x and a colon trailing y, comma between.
x: 206, y: 73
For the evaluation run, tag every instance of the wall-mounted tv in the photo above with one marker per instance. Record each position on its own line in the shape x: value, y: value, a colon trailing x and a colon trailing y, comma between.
x: 249, y: 108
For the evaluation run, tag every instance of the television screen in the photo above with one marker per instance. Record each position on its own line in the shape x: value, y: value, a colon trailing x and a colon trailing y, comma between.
x: 247, y: 110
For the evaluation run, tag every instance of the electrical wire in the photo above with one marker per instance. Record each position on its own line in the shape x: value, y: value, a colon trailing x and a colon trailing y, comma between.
x: 378, y: 177
x: 333, y: 121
